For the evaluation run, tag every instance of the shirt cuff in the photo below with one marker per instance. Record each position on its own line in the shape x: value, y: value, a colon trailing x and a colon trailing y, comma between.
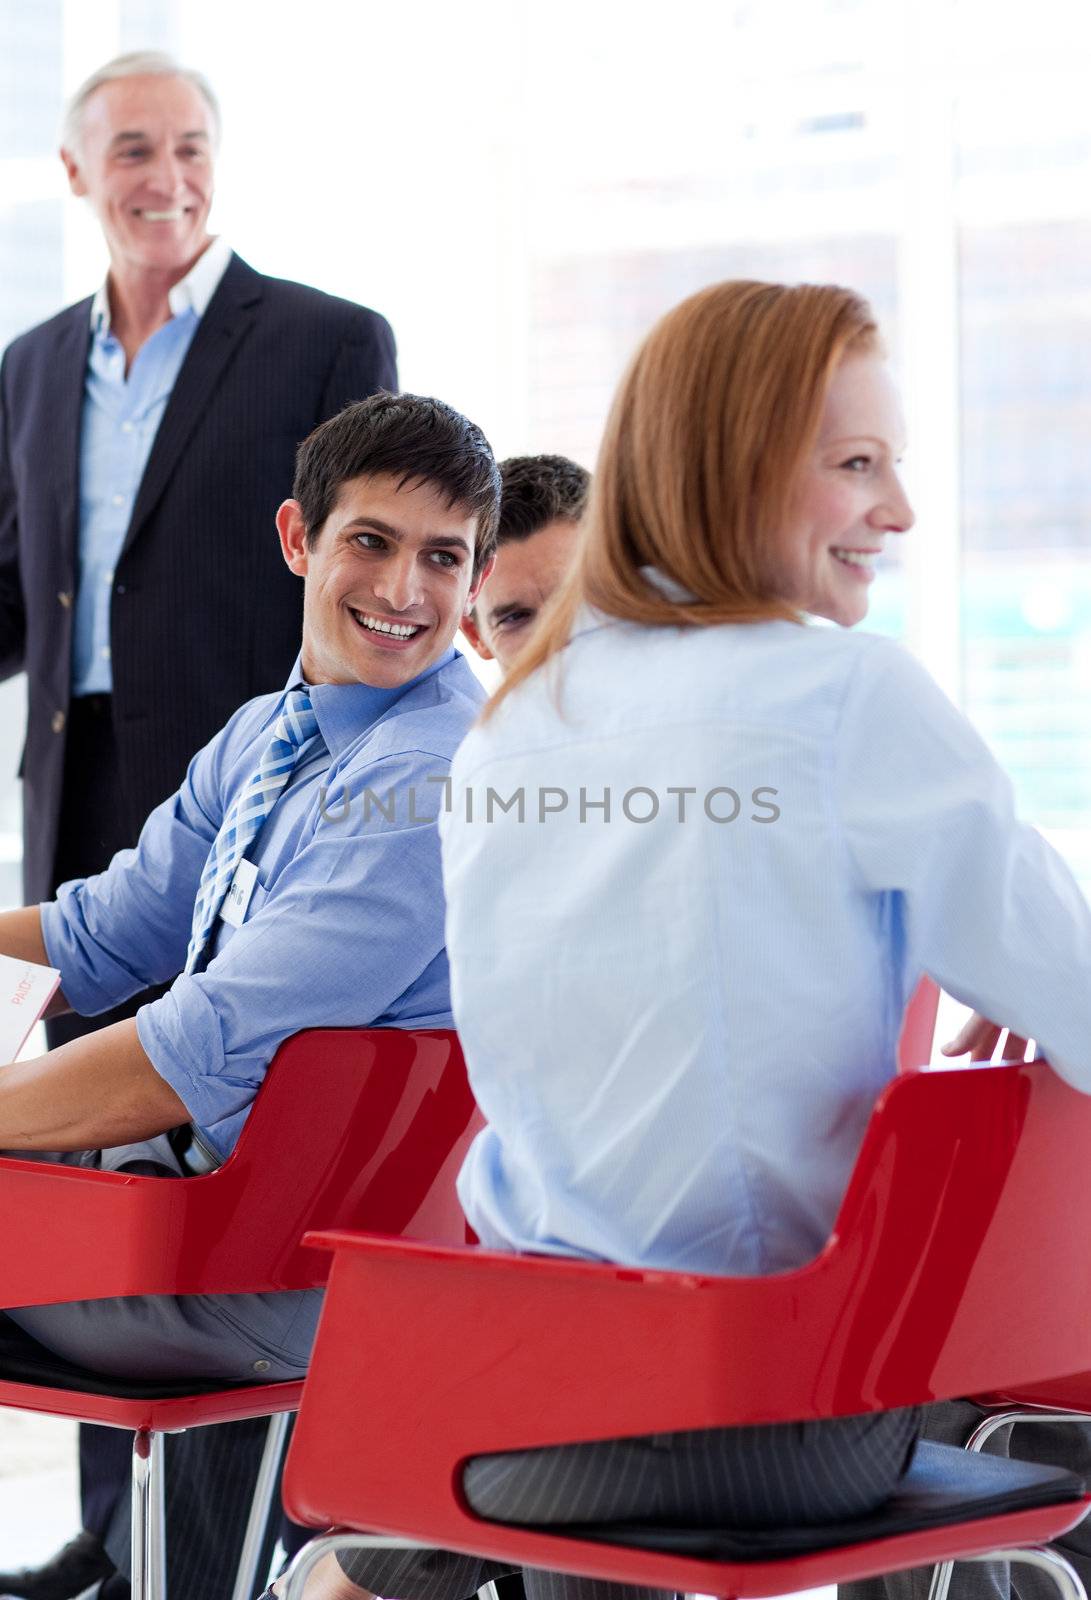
x: 182, y: 1037
x: 91, y: 980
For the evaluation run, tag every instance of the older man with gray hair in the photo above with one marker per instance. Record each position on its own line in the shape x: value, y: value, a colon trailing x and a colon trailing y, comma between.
x: 147, y: 436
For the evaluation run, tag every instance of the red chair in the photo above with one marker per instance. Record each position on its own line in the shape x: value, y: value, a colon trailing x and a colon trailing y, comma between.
x: 353, y: 1128
x: 918, y: 1027
x: 950, y: 1221
x: 1066, y: 1399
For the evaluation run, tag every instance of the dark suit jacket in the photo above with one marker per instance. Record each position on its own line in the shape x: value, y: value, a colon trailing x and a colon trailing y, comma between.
x: 204, y: 613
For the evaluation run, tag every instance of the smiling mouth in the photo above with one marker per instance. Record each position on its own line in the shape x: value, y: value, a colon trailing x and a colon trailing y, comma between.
x: 384, y: 628
x: 175, y: 215
x: 863, y: 560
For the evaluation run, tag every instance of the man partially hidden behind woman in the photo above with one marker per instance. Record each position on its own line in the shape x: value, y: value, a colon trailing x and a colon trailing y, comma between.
x: 677, y: 1027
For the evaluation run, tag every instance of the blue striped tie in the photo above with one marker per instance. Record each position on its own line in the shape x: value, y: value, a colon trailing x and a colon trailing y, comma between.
x: 295, y: 730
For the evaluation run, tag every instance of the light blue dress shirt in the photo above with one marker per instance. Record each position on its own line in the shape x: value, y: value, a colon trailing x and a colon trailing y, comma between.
x: 120, y: 418
x: 677, y: 1029
x: 344, y: 926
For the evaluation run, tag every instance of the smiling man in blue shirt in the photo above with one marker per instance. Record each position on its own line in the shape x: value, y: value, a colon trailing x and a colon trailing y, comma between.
x: 334, y: 913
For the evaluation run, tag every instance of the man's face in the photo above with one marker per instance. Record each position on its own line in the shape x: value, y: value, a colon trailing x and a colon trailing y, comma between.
x: 145, y: 164
x: 524, y: 575
x: 387, y: 583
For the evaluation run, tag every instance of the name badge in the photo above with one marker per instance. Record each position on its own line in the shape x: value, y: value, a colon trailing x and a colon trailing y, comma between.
x: 238, y: 895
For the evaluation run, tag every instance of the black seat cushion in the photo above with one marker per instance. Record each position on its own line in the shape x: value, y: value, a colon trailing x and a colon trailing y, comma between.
x: 944, y: 1485
x: 39, y: 1366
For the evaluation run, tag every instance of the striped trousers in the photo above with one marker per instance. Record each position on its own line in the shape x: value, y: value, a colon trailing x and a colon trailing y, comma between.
x: 780, y: 1475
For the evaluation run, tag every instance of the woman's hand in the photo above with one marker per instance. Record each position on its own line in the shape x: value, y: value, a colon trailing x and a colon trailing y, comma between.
x: 979, y: 1037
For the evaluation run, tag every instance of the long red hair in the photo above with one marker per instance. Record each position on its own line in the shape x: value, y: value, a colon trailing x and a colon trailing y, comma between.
x: 718, y: 410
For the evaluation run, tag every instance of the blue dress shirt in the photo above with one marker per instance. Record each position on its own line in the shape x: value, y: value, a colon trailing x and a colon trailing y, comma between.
x: 678, y: 1013
x: 120, y: 418
x: 344, y: 926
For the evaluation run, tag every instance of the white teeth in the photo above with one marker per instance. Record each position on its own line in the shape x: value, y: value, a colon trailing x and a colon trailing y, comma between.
x: 398, y: 629
x: 857, y: 558
x: 161, y: 216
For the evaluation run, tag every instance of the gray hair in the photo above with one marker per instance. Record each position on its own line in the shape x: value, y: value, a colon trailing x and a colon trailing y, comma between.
x: 135, y: 64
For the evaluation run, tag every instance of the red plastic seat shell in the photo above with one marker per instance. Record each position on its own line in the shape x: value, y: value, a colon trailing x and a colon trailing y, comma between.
x: 941, y: 1278
x: 352, y: 1127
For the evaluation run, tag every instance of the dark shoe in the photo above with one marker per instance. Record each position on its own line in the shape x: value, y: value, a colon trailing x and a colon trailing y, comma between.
x: 81, y: 1563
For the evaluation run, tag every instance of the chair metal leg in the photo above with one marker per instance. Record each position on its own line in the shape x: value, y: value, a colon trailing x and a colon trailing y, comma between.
x: 1043, y: 1557
x: 941, y: 1575
x: 311, y: 1554
x: 1047, y: 1560
x: 157, y: 1520
x: 260, y: 1505
x: 149, y: 1553
x: 941, y: 1580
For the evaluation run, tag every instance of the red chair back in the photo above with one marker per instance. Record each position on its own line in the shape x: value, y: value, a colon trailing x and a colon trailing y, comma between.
x: 362, y: 1128
x: 942, y: 1276
x: 918, y: 1027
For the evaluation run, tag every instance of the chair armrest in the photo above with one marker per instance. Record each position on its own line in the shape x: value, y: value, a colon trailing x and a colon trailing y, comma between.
x: 352, y: 1126
x: 615, y: 1350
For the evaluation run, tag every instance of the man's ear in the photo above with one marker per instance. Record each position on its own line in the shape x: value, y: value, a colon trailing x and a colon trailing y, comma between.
x: 478, y: 583
x: 471, y: 631
x: 72, y: 173
x: 293, y: 536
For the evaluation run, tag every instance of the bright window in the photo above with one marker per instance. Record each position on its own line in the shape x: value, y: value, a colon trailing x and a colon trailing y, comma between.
x: 522, y: 189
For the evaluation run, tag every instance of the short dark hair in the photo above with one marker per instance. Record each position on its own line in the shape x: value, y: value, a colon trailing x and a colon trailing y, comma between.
x: 538, y: 490
x: 414, y: 439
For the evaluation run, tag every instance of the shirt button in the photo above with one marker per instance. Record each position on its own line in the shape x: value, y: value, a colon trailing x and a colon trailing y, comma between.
x: 108, y: 577
x: 262, y: 1366
x: 105, y: 652
x: 126, y: 427
x: 117, y: 500
x: 65, y: 597
x: 57, y: 722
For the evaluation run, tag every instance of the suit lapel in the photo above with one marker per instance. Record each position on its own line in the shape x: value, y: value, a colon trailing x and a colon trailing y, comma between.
x: 223, y: 328
x: 65, y: 402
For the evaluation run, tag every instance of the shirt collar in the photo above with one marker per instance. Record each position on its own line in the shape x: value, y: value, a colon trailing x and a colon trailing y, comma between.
x: 191, y: 293
x: 195, y: 290
x: 588, y: 619
x: 100, y: 310
x: 346, y: 710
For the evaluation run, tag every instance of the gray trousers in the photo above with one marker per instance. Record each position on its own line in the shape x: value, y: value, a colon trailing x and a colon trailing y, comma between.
x: 223, y: 1338
x: 785, y: 1474
x: 1054, y: 1444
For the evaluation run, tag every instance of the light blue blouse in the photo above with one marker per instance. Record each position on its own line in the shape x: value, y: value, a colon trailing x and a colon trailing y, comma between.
x: 679, y: 967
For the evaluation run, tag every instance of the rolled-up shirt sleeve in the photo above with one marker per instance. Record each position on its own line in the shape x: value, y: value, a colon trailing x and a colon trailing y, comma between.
x: 345, y: 930
x: 990, y: 910
x: 122, y: 930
